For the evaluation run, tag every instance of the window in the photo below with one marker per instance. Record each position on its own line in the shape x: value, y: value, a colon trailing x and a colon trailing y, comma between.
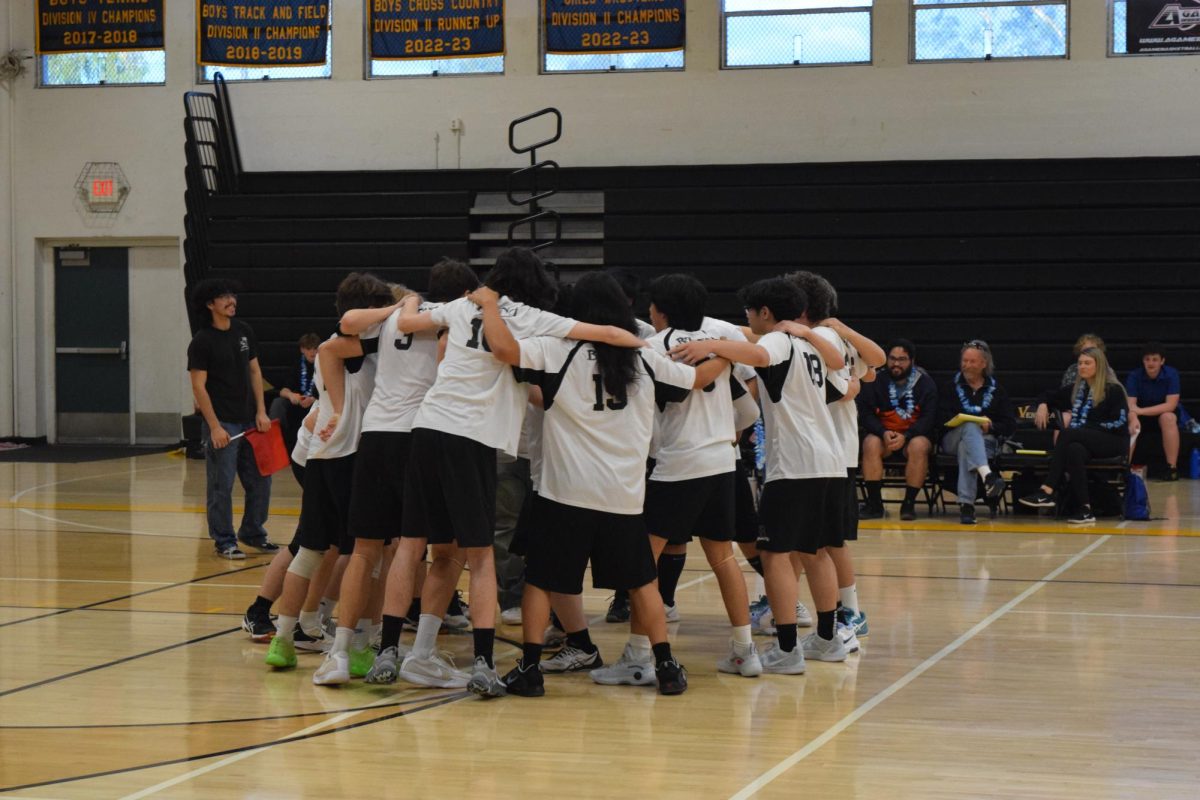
x: 778, y: 33
x: 434, y: 67
x: 1118, y: 45
x: 983, y: 30
x: 128, y: 68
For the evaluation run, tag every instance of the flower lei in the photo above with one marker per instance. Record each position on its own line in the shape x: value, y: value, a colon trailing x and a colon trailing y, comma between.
x: 1081, y: 407
x: 962, y: 395
x: 306, y: 381
x: 906, y: 412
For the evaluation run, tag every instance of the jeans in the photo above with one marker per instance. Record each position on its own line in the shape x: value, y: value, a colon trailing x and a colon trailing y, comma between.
x: 236, y: 458
x: 512, y: 486
x: 974, y: 448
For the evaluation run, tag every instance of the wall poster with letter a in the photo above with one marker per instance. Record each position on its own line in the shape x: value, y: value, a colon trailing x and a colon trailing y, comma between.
x: 1162, y: 26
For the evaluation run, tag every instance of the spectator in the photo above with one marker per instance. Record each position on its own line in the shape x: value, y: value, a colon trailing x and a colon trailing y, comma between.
x: 1071, y: 373
x: 1099, y: 427
x: 1154, y: 391
x: 291, y: 406
x: 897, y: 415
x: 974, y: 391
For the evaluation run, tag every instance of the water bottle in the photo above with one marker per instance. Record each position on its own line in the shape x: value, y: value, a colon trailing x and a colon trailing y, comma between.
x: 1194, y: 467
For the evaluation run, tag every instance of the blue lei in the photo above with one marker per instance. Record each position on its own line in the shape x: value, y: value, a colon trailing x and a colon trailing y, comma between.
x: 906, y: 412
x: 962, y: 395
x: 1081, y: 406
x: 306, y: 380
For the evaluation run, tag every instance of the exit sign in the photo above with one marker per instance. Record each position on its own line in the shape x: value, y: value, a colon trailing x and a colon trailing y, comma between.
x: 102, y: 191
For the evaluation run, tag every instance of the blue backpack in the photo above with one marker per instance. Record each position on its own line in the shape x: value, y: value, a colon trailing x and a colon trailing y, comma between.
x: 1137, y: 499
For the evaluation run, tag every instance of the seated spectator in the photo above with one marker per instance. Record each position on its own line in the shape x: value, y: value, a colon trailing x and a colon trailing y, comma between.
x: 1071, y: 373
x: 1099, y: 427
x: 897, y: 415
x: 975, y: 392
x: 292, y: 404
x: 1154, y: 391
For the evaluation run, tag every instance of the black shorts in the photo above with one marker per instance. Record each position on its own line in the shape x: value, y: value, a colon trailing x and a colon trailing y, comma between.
x: 850, y: 526
x: 519, y: 545
x: 802, y: 515
x: 450, y: 491
x: 678, y: 510
x: 325, y: 504
x: 745, y: 508
x: 563, y: 538
x: 377, y: 503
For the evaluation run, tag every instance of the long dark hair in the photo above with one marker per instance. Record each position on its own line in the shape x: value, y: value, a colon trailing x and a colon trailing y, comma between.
x: 597, y: 298
x: 519, y: 275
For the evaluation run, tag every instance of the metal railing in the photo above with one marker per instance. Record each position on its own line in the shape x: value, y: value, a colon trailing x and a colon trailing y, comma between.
x: 537, y: 172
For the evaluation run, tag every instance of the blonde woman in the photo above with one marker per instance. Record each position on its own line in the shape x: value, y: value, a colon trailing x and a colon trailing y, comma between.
x: 1099, y: 427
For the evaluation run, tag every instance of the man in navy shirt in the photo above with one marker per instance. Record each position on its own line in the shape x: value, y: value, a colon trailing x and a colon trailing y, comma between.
x: 1154, y: 391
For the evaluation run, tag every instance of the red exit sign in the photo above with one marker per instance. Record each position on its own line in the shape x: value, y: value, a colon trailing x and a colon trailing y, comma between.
x: 102, y: 187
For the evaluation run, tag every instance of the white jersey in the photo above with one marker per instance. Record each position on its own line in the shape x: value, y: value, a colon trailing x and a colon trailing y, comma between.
x: 534, y: 417
x: 644, y: 329
x: 360, y: 379
x: 693, y: 438
x: 476, y: 396
x: 594, y: 446
x: 304, y: 436
x: 845, y: 412
x: 801, y: 440
x: 730, y: 332
x: 407, y: 367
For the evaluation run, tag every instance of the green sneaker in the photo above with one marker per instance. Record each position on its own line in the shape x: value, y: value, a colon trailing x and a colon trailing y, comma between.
x: 361, y: 662
x: 281, y: 654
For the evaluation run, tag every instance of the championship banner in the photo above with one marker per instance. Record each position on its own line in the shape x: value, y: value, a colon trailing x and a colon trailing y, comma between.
x: 612, y: 26
x: 88, y: 26
x: 262, y: 33
x: 402, y: 30
x: 1162, y: 26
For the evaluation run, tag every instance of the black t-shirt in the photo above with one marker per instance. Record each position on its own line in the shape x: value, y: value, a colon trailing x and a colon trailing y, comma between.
x: 225, y: 356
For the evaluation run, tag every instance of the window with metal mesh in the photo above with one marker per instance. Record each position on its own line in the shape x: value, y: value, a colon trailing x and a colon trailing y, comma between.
x: 776, y: 33
x: 434, y: 67
x: 612, y: 62
x: 103, y: 68
x: 952, y: 30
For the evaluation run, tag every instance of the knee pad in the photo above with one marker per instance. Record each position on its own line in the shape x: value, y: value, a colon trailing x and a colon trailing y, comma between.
x: 306, y: 562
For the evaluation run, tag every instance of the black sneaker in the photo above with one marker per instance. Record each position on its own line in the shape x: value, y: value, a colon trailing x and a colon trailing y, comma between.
x: 966, y: 514
x: 316, y: 642
x: 264, y: 546
x: 993, y: 485
x: 908, y: 511
x: 1083, y: 516
x: 259, y: 626
x: 868, y: 511
x: 1172, y: 475
x: 229, y: 551
x: 1038, y: 499
x: 672, y: 677
x: 525, y: 682
x: 618, y: 609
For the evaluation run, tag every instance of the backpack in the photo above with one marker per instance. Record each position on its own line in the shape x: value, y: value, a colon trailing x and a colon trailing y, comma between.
x: 1137, y: 499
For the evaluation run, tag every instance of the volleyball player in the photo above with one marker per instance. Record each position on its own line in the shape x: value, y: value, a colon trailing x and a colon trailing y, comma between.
x: 328, y: 474
x: 474, y: 408
x: 599, y: 418
x: 802, y: 499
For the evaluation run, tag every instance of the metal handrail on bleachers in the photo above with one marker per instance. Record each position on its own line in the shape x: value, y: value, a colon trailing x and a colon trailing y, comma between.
x: 537, y: 171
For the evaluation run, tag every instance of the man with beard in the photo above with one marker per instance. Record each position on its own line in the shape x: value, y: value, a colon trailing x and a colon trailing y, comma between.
x: 897, y: 415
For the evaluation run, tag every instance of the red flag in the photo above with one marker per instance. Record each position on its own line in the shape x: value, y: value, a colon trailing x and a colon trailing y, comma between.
x: 269, y: 452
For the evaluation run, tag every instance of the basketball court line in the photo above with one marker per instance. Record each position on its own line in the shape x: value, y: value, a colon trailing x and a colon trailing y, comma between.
x: 750, y: 789
x: 1110, y: 614
x: 126, y: 472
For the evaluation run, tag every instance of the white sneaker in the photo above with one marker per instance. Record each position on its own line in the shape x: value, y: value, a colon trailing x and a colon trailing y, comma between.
x: 815, y: 647
x: 628, y: 671
x: 312, y: 641
x: 849, y: 638
x: 742, y: 660
x: 435, y: 670
x: 672, y: 612
x: 334, y: 670
x: 553, y: 636
x: 511, y: 616
x: 782, y: 662
x: 485, y: 681
x: 803, y: 617
x: 572, y: 659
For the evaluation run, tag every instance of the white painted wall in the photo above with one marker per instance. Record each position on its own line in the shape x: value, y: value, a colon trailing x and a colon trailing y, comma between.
x: 1089, y: 105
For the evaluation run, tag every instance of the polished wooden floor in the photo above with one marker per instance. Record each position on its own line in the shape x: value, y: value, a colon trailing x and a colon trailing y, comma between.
x: 1014, y: 659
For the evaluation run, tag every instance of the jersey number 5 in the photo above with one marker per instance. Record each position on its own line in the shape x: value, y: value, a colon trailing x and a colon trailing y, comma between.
x: 612, y: 404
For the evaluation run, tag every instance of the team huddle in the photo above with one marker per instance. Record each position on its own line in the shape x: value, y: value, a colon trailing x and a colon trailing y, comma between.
x: 631, y: 435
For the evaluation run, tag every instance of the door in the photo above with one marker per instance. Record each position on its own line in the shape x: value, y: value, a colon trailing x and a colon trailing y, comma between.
x: 91, y: 344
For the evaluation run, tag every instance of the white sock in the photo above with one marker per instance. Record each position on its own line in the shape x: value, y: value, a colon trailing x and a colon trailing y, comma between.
x: 640, y: 645
x: 741, y: 634
x: 360, y: 641
x: 341, y: 640
x: 285, y: 628
x: 849, y: 597
x: 984, y: 471
x: 427, y: 631
x: 310, y: 621
x: 325, y: 609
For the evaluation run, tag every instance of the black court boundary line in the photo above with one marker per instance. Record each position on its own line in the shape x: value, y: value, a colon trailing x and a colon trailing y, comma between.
x: 124, y: 660
x: 231, y: 751
x: 329, y: 712
x: 135, y: 594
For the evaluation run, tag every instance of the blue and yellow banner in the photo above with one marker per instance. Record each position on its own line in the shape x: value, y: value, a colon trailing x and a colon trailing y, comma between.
x: 87, y: 26
x: 403, y: 29
x: 576, y: 27
x: 262, y: 33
